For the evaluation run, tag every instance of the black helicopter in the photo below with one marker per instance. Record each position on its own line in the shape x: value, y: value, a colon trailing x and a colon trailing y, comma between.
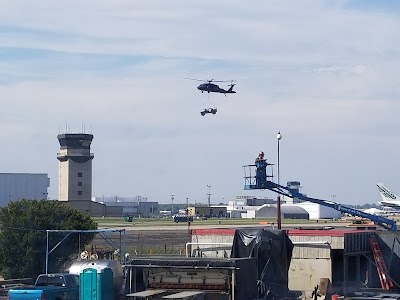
x: 210, y: 87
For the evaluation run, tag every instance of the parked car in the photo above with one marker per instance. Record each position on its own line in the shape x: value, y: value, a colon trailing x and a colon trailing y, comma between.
x: 182, y: 218
x: 128, y: 218
x: 57, y: 286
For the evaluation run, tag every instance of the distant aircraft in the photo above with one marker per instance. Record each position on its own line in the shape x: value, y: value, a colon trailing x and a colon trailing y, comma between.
x: 210, y: 87
x: 375, y: 211
x: 389, y: 198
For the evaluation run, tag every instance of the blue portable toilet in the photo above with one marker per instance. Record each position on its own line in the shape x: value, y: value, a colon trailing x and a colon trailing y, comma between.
x: 96, y: 284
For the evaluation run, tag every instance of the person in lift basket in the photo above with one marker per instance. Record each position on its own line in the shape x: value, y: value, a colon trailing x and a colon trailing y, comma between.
x: 260, y: 157
x: 261, y: 171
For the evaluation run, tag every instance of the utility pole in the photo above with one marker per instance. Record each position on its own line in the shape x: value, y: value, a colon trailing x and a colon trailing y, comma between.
x: 279, y: 137
x: 188, y: 218
x: 172, y: 204
x: 209, y: 195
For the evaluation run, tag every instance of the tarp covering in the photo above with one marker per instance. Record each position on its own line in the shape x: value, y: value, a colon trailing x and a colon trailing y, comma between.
x: 273, y: 251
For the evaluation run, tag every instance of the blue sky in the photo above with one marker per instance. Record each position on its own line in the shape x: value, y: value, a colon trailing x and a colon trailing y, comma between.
x: 324, y: 73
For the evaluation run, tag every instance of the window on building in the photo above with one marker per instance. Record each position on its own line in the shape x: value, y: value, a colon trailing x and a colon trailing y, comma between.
x: 79, y: 183
x: 79, y: 193
x: 79, y: 174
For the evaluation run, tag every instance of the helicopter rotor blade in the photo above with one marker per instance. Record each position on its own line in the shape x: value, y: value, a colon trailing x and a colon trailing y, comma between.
x: 231, y: 81
x: 196, y: 79
x: 204, y: 80
x: 210, y: 80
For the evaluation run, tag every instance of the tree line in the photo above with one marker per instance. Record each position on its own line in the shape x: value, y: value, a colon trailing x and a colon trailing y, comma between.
x: 23, y: 237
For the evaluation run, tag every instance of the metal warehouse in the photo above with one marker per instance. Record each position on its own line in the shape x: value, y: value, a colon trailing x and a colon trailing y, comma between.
x: 14, y: 186
x: 288, y: 211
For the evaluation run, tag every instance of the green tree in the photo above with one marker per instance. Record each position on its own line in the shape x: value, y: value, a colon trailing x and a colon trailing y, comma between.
x: 23, y: 226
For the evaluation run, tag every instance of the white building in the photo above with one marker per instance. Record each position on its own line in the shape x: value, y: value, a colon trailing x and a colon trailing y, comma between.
x: 314, y: 210
x: 244, y: 206
x: 15, y: 186
x: 317, y: 211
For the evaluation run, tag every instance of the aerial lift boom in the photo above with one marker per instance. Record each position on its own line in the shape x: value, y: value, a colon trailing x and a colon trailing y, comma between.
x: 260, y: 181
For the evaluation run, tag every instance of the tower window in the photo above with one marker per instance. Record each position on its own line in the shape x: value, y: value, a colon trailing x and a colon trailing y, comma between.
x: 79, y: 193
x: 79, y: 174
x: 79, y: 183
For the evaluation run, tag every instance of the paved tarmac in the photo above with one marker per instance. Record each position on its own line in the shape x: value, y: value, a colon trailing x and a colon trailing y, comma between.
x: 184, y: 227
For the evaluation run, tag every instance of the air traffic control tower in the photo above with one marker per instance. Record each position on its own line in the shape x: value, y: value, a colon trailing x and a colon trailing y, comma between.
x: 75, y: 167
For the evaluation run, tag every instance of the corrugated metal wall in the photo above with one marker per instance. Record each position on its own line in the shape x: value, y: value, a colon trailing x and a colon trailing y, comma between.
x: 335, y: 242
x: 14, y: 186
x: 357, y: 242
x: 306, y: 251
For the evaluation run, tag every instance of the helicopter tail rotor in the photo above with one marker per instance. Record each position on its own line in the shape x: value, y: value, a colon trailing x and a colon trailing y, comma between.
x: 231, y: 88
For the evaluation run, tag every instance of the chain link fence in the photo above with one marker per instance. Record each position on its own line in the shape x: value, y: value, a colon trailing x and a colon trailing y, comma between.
x: 142, y: 243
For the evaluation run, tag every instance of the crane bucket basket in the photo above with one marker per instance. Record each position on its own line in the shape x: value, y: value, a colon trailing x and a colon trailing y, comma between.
x: 256, y: 176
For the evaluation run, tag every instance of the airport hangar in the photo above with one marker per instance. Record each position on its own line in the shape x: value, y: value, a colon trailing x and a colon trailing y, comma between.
x: 15, y: 186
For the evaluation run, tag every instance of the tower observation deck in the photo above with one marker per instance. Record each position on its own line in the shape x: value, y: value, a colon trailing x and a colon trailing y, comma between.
x: 75, y: 167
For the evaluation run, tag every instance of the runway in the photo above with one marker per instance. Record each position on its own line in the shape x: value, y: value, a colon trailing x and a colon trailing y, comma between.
x: 185, y: 226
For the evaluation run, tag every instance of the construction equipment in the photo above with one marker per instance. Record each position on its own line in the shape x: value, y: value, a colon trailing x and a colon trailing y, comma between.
x: 256, y: 178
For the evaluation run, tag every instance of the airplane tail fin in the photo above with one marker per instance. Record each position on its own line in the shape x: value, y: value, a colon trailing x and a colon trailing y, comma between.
x: 386, y: 193
x: 231, y: 88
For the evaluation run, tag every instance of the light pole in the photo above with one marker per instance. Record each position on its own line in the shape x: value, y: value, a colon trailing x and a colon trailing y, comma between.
x: 172, y: 204
x: 209, y: 195
x: 188, y: 218
x: 279, y: 137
